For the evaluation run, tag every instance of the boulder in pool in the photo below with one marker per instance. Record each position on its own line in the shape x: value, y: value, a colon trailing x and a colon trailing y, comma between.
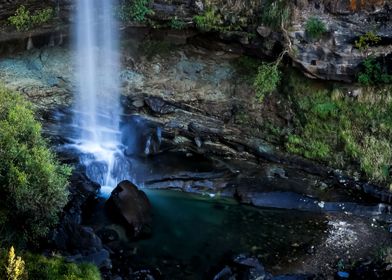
x: 130, y: 206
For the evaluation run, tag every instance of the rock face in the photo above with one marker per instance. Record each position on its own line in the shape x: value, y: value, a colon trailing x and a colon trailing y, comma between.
x: 127, y: 204
x: 331, y: 57
x: 79, y: 243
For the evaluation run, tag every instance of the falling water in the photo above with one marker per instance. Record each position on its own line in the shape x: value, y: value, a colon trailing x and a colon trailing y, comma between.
x: 98, y: 110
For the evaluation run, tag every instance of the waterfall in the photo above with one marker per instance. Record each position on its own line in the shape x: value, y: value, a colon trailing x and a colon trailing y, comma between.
x: 97, y: 108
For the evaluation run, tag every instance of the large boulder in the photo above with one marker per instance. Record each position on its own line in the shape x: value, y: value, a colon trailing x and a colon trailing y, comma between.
x: 130, y: 206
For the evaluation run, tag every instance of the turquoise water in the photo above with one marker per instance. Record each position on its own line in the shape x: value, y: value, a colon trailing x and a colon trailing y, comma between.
x: 191, y: 234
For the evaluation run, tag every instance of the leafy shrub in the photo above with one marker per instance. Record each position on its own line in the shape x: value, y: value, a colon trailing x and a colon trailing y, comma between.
x: 267, y: 79
x: 23, y: 20
x: 136, y: 10
x: 33, y: 185
x: 42, y: 16
x: 373, y: 74
x: 37, y: 267
x: 315, y: 28
x: 276, y: 13
x: 364, y: 41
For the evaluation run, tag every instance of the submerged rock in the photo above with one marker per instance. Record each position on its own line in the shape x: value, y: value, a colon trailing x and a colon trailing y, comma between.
x: 130, y: 206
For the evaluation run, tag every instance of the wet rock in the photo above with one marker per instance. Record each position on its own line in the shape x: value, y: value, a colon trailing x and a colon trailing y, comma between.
x: 254, y: 269
x: 130, y: 206
x: 159, y: 106
x: 225, y: 274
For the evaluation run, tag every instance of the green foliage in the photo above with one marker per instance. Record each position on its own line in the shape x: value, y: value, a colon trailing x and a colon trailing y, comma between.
x: 15, y: 266
x: 366, y: 40
x: 340, y: 130
x: 33, y: 185
x: 315, y: 28
x: 38, y: 267
x: 41, y: 268
x: 212, y: 20
x: 136, y: 10
x: 176, y: 23
x: 209, y: 21
x: 23, y: 20
x: 42, y: 16
x: 372, y: 73
x: 276, y: 13
x: 267, y: 79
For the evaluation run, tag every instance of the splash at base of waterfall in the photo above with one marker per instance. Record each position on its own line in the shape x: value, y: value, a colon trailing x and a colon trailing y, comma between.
x: 105, y: 164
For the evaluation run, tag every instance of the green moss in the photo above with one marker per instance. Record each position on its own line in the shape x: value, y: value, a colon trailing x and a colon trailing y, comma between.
x: 340, y: 130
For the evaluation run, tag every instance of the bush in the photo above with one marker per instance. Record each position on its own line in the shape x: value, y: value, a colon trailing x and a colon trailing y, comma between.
x: 372, y: 73
x: 37, y: 267
x: 315, y: 28
x: 23, y: 20
x: 33, y: 185
x: 267, y: 79
x: 137, y: 10
x: 364, y: 41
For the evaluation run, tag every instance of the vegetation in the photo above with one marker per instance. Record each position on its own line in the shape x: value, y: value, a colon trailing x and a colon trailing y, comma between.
x: 23, y: 20
x: 372, y: 73
x: 36, y: 267
x: 267, y: 79
x: 340, y: 130
x: 276, y: 13
x: 176, y: 23
x: 209, y: 21
x: 15, y: 266
x: 136, y: 10
x: 315, y: 28
x: 33, y: 185
x: 366, y: 40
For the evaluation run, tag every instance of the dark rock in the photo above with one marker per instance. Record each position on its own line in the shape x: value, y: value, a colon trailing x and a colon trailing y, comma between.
x: 127, y: 204
x: 225, y: 274
x: 294, y: 277
x: 254, y: 269
x: 159, y: 106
